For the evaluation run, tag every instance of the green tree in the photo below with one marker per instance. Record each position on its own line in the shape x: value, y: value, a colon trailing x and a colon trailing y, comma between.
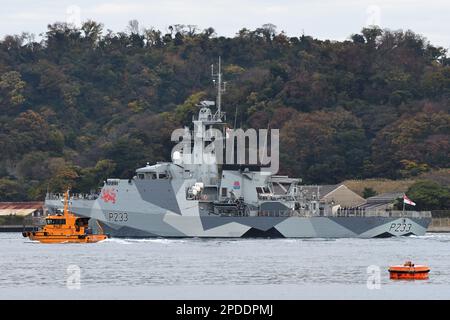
x: 12, y: 85
x: 375, y: 105
x: 324, y: 146
x: 11, y: 190
x: 429, y: 195
x: 369, y: 192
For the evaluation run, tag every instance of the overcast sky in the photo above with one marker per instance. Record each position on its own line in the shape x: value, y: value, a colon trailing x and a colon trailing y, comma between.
x: 324, y: 19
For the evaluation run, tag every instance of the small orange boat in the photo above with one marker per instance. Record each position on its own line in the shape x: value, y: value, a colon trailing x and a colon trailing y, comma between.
x: 409, y: 271
x: 64, y: 228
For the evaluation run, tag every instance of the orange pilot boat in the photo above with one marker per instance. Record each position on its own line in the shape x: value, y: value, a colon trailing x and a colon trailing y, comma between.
x: 64, y: 228
x: 409, y: 271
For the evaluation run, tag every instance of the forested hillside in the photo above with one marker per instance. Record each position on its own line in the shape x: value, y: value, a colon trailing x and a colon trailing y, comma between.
x: 84, y: 104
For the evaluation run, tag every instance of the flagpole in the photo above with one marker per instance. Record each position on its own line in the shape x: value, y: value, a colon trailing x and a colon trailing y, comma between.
x: 403, y: 203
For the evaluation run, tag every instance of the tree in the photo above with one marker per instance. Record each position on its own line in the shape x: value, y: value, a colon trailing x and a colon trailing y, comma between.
x: 87, y: 105
x: 323, y: 146
x: 11, y: 190
x: 369, y: 192
x: 429, y: 195
x: 12, y: 85
x: 92, y: 31
x: 185, y: 111
x: 63, y: 179
x: 413, y: 143
x: 371, y: 34
x: 31, y: 132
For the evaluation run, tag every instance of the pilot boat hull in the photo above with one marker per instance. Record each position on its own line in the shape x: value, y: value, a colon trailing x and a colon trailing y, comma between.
x: 45, y: 238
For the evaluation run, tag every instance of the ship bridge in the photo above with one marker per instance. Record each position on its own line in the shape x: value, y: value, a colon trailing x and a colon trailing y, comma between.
x: 156, y: 171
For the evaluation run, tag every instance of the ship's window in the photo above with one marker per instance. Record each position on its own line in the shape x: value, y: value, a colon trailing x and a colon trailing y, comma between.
x: 163, y: 176
x: 82, y: 222
x: 266, y: 190
x: 56, y: 221
x: 141, y: 176
x: 224, y: 192
x: 151, y: 175
x: 259, y: 190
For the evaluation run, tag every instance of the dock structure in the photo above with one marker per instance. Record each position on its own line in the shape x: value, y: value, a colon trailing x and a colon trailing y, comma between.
x: 21, y: 209
x: 14, y: 215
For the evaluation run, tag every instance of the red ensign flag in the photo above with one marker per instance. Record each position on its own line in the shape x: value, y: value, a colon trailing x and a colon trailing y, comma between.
x: 408, y: 200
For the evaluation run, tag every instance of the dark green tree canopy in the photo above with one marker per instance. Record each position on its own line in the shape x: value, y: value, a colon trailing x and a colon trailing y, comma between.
x: 85, y: 103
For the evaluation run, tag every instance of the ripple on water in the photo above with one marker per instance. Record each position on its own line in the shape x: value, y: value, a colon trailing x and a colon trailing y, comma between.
x: 131, y: 262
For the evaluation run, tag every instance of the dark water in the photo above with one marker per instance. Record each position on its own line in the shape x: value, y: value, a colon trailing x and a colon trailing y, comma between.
x: 197, y: 268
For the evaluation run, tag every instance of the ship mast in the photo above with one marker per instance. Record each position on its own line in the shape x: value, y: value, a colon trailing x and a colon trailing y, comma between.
x: 221, y: 87
x: 66, y: 202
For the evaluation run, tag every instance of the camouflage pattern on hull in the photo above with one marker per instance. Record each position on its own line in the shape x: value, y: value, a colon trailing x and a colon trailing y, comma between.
x: 169, y: 224
x: 192, y: 196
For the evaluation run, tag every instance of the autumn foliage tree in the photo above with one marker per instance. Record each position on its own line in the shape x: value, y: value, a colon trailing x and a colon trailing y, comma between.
x: 83, y: 104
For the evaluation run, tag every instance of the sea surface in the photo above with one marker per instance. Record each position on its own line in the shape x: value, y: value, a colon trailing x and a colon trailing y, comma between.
x: 222, y: 268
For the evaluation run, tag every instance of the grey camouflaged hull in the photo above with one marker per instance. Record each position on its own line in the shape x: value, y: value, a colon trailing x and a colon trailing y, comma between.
x: 155, y: 221
x: 192, y: 197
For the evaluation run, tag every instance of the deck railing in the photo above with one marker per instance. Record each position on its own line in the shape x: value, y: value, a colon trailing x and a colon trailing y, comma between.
x: 357, y: 212
x: 73, y: 196
x: 347, y: 213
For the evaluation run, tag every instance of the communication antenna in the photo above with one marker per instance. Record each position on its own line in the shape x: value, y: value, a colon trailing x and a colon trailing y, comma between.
x: 221, y: 87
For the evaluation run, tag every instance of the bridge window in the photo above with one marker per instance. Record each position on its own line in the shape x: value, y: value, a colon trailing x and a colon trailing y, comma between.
x: 151, y: 175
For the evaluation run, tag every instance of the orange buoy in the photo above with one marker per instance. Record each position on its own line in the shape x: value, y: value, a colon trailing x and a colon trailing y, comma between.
x: 409, y: 271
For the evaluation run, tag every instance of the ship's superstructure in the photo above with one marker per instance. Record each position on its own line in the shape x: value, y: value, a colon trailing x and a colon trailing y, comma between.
x: 194, y: 196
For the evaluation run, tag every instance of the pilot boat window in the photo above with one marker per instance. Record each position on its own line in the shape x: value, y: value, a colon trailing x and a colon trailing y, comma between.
x: 141, y: 176
x: 163, y: 176
x: 56, y: 221
x: 80, y: 222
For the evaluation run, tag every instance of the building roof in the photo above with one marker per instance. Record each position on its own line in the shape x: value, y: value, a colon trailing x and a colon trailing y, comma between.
x: 19, y: 208
x: 387, y: 197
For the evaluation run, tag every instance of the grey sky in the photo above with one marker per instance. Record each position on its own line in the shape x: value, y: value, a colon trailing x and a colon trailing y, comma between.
x: 324, y: 19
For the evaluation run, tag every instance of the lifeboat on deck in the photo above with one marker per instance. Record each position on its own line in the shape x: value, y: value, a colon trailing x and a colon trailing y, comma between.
x: 65, y: 228
x: 409, y: 271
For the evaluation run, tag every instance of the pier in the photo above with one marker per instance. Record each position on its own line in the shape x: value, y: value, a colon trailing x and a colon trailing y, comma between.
x: 440, y: 221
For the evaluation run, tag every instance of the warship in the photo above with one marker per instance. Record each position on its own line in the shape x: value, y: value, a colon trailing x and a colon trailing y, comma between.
x: 209, y: 199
